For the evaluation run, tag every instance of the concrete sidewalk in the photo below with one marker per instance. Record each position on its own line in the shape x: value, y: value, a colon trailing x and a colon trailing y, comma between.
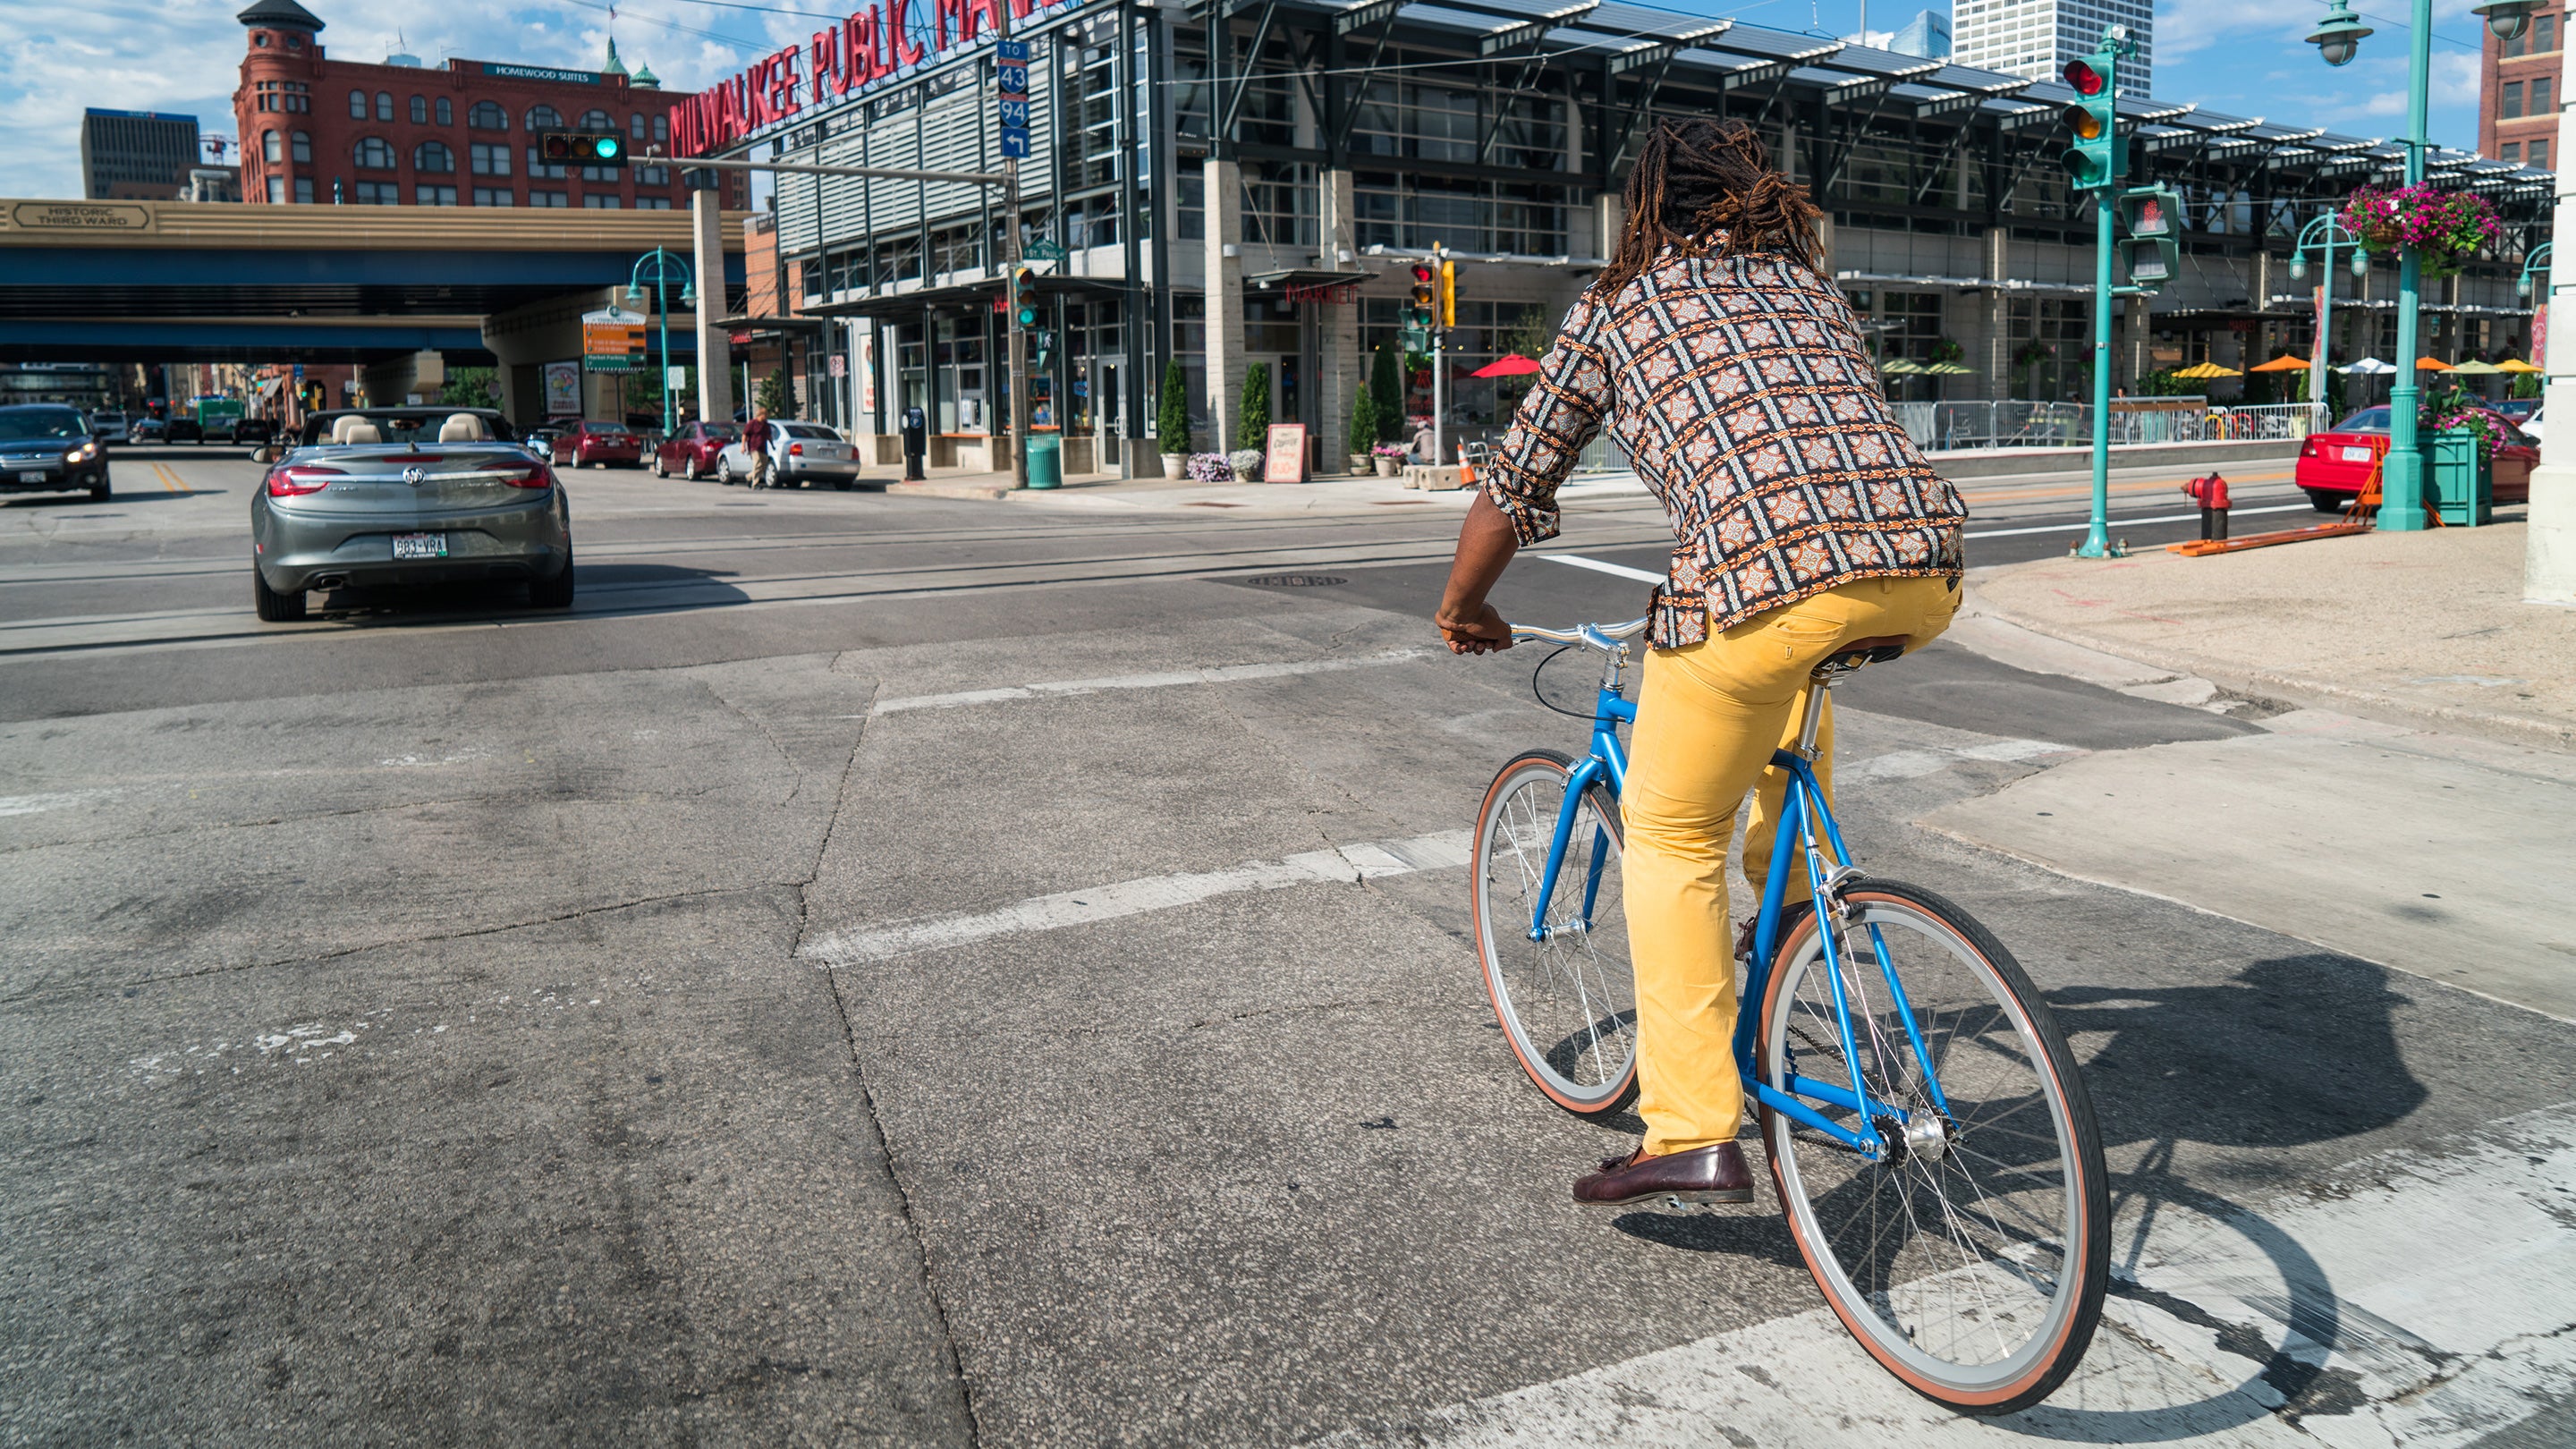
x: 2424, y: 629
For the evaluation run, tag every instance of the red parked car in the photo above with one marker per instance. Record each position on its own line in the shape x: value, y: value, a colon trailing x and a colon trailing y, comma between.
x: 2335, y: 463
x: 596, y: 445
x: 691, y: 452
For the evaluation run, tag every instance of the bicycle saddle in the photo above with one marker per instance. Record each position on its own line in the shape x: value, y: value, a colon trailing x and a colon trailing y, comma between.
x: 1861, y: 652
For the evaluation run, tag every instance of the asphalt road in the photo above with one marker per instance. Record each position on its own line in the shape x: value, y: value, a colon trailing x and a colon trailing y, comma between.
x: 445, y: 1023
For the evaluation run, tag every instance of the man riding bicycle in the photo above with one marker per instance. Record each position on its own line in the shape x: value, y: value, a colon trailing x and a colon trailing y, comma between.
x: 1734, y: 375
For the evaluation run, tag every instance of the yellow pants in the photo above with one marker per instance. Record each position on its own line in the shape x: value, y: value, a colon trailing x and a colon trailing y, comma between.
x: 1708, y: 717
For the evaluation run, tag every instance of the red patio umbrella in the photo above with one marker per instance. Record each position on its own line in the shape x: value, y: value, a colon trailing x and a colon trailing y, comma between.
x: 1511, y: 364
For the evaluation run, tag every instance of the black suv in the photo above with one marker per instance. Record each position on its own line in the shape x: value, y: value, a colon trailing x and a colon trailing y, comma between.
x: 47, y: 448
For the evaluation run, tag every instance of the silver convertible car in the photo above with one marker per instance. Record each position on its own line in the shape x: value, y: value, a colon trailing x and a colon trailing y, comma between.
x: 414, y: 495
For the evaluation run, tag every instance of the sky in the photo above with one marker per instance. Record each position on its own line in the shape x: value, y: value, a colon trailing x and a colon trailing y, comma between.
x: 184, y: 56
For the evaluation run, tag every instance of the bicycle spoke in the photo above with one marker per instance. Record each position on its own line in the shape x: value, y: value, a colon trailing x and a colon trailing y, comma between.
x: 1567, y: 998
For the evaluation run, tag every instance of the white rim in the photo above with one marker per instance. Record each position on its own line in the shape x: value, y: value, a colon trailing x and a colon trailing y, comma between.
x: 1525, y: 835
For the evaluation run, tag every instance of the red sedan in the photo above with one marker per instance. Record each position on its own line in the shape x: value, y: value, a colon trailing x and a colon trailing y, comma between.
x: 596, y: 445
x: 692, y: 451
x: 2335, y: 463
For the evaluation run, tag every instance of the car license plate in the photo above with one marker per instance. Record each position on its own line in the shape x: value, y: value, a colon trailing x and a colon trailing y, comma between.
x: 2356, y: 455
x: 420, y: 545
x: 31, y: 477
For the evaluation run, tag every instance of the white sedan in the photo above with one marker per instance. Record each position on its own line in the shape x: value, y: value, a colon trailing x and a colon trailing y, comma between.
x: 800, y: 455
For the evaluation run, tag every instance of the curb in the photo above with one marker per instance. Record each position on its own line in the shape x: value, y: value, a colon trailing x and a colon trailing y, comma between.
x: 982, y: 492
x: 2509, y: 728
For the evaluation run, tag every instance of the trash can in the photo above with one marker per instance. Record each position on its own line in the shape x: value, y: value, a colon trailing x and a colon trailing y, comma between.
x: 2459, y: 480
x: 1046, y: 461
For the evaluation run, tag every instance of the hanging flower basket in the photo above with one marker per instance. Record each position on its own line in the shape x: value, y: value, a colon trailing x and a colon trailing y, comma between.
x: 2446, y: 228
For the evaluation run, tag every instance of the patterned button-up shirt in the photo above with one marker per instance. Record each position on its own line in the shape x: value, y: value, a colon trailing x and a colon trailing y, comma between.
x: 1740, y: 389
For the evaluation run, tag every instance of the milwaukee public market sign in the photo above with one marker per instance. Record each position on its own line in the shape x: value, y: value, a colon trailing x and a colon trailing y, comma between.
x: 885, y: 39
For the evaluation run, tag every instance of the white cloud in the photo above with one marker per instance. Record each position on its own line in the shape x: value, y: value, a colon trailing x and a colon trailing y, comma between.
x: 184, y: 57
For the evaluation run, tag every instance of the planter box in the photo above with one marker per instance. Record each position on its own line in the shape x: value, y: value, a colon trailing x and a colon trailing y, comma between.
x: 2459, y: 484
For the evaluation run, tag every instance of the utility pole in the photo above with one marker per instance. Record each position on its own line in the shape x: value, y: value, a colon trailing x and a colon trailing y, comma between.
x: 1011, y: 60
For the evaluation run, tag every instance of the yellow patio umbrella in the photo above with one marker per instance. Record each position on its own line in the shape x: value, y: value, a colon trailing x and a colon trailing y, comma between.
x: 2515, y: 364
x: 2431, y: 364
x: 2283, y: 363
x: 2204, y: 371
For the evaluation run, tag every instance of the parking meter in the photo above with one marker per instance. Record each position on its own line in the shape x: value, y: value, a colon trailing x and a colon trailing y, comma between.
x: 916, y: 442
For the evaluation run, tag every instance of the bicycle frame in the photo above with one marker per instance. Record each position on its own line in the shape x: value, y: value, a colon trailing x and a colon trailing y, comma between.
x: 1816, y: 847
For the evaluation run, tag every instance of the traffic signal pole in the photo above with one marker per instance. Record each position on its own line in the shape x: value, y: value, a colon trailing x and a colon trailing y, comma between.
x: 2097, y: 533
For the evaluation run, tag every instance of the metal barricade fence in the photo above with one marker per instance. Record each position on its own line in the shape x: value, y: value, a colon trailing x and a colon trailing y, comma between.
x: 1939, y: 427
x: 2273, y: 421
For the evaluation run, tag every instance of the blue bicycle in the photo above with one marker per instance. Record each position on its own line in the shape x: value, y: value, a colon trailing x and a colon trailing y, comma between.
x: 1932, y: 1143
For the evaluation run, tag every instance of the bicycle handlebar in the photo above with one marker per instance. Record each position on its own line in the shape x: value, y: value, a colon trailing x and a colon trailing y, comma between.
x: 1604, y: 637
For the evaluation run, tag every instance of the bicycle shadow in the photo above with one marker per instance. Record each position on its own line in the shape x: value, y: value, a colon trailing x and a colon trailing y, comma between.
x: 2292, y: 1051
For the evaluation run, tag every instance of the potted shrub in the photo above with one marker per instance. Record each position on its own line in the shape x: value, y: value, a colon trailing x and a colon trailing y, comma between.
x: 1245, y: 464
x: 1389, y: 458
x: 1210, y: 468
x: 1172, y: 420
x: 1363, y: 429
x: 1386, y: 389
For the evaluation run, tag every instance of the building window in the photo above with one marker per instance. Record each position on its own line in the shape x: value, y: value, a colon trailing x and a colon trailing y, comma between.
x: 635, y: 126
x: 548, y: 198
x: 487, y: 117
x: 375, y: 153
x: 302, y: 148
x: 260, y: 40
x: 304, y: 190
x: 2540, y: 154
x: 2513, y: 151
x: 376, y: 193
x: 661, y: 128
x: 2509, y: 104
x: 446, y: 112
x: 434, y: 195
x: 600, y: 201
x: 384, y: 105
x: 652, y: 203
x: 285, y: 97
x: 2544, y: 34
x: 494, y: 196
x: 2540, y: 95
x: 420, y: 110
x: 357, y: 105
x: 276, y: 190
x: 432, y: 156
x: 545, y: 118
x: 271, y: 149
x: 652, y: 175
x: 604, y: 175
x: 490, y: 158
x: 595, y: 119
x: 540, y: 169
x: 1279, y: 203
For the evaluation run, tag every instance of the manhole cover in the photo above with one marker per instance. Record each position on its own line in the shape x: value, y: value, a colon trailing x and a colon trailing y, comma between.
x: 1295, y: 581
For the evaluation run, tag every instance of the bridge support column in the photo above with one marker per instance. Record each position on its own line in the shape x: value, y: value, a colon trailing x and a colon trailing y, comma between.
x: 715, y: 348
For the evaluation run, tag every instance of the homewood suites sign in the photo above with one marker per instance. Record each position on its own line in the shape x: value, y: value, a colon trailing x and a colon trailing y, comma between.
x: 886, y: 38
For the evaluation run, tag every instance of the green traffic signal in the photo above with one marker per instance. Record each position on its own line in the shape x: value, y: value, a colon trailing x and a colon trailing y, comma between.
x: 2094, y: 161
x: 606, y: 148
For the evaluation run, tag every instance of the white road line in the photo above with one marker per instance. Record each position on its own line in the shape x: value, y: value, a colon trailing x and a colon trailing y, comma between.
x: 1221, y: 674
x: 2416, y: 1299
x: 1348, y: 864
x: 1598, y: 566
x: 2078, y: 525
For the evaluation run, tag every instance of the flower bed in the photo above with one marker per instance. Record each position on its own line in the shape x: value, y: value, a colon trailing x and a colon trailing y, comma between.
x: 1210, y: 468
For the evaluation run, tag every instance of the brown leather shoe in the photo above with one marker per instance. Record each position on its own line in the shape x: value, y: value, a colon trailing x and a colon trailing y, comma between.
x: 1705, y: 1174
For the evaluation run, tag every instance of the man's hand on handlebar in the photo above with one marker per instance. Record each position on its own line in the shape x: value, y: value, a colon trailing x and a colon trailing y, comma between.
x: 1480, y: 632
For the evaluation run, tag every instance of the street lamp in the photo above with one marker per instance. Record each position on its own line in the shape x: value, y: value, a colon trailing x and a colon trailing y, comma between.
x: 2533, y: 264
x: 662, y: 260
x: 2323, y: 235
x: 2337, y: 38
x: 2507, y: 18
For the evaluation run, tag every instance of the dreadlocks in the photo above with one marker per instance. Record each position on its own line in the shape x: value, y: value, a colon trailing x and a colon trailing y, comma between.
x: 1700, y: 180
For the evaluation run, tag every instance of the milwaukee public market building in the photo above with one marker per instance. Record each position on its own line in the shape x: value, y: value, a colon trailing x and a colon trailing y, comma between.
x: 1249, y: 181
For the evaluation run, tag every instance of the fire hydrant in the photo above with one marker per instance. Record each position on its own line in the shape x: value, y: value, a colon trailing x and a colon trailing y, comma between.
x: 2211, y: 494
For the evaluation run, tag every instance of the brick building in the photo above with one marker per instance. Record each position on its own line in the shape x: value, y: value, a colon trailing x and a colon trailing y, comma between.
x: 323, y: 131
x: 2519, y: 95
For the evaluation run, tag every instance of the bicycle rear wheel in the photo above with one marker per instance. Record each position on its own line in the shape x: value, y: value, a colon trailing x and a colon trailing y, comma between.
x: 1567, y: 1001
x: 1972, y: 1259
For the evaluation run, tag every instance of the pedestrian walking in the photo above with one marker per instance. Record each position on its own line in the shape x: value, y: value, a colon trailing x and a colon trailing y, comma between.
x: 1735, y: 376
x: 755, y: 442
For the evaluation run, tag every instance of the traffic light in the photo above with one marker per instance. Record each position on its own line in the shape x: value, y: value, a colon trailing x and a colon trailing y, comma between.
x: 1418, y: 311
x: 582, y: 148
x: 2094, y: 162
x: 1448, y: 293
x: 1043, y: 340
x: 2149, y: 248
x: 1024, y: 296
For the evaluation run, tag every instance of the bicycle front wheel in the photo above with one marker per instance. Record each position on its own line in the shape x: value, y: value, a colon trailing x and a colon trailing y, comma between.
x: 1560, y: 981
x: 1970, y: 1260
